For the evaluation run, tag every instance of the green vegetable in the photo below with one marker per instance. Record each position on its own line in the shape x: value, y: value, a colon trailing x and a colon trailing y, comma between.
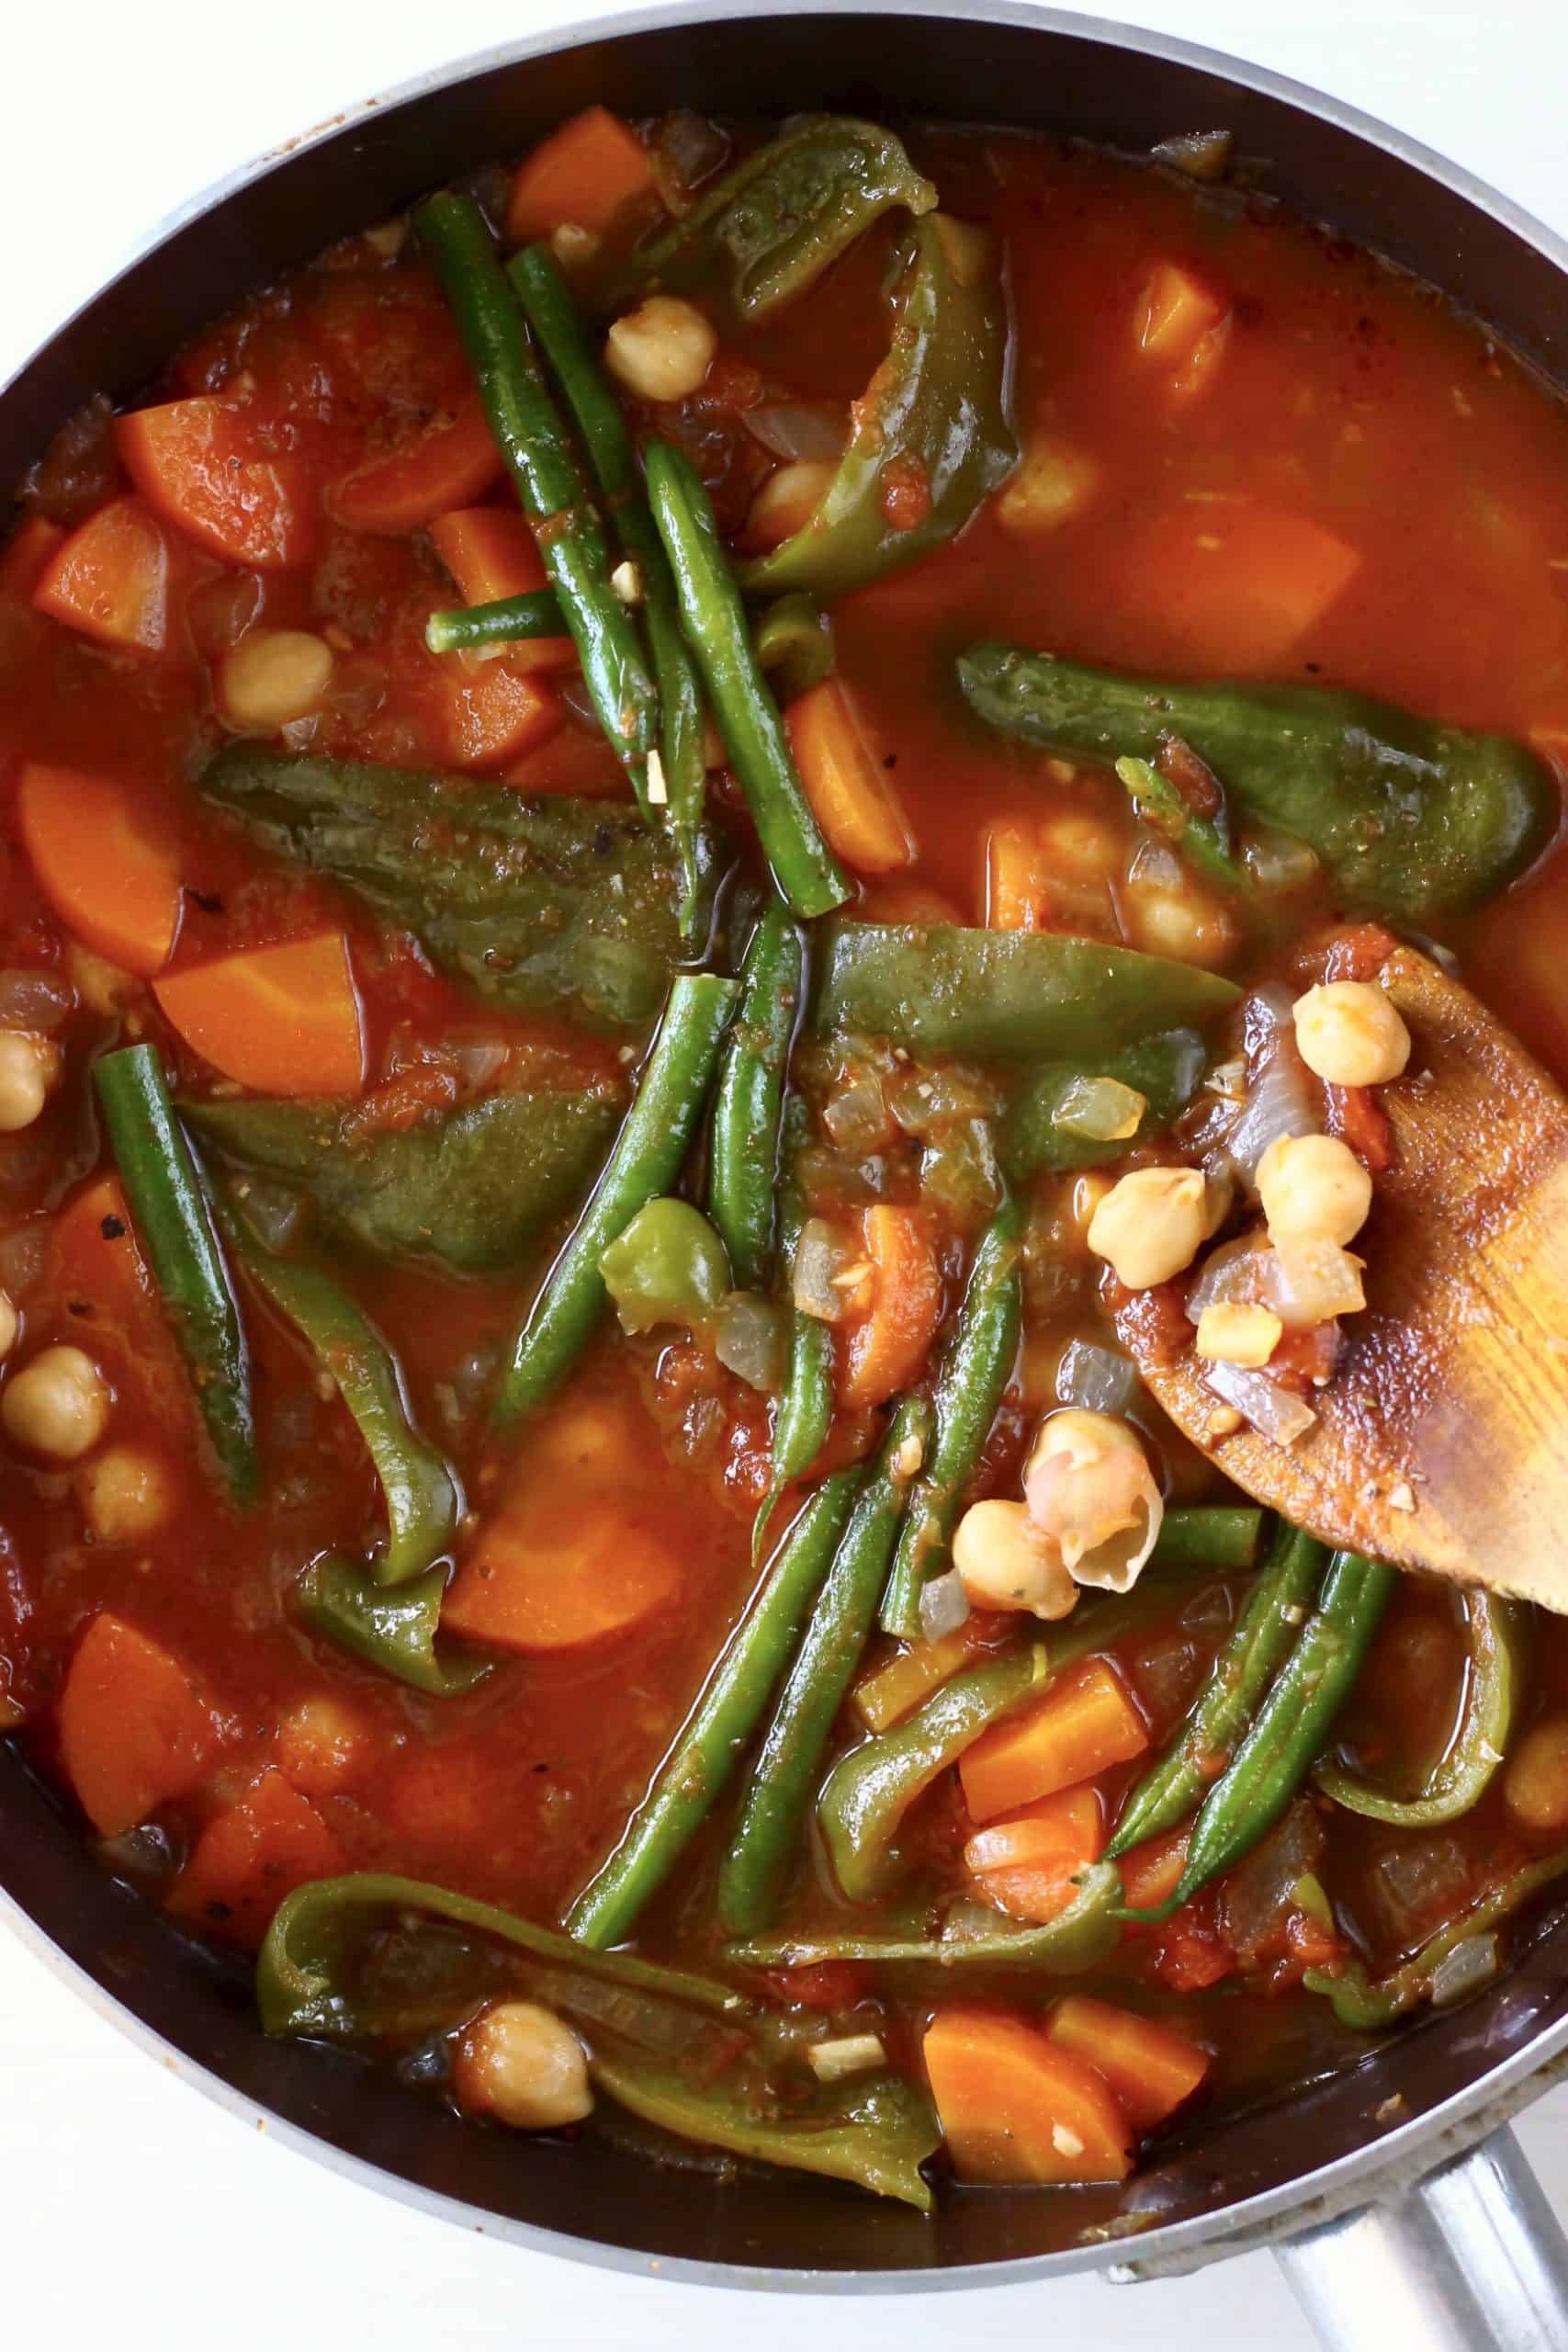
x: 1159, y: 805
x: 1367, y: 2003
x: 770, y: 227
x: 394, y: 1631
x: 1166, y: 1071
x: 868, y: 1793
x: 653, y: 1141
x: 471, y: 1189
x: 804, y: 867
x: 704, y: 1755
x: 1222, y: 1536
x: 1410, y: 820
x: 794, y: 642
x: 551, y: 905
x: 667, y: 1266
x: 1276, y: 1610
x: 778, y: 1791
x: 1495, y: 1632
x: 935, y: 407
x: 554, y: 317
x: 804, y: 1411
x: 748, y: 1099
x: 1291, y: 1726
x: 975, y: 1369
x: 974, y: 1936
x: 420, y: 1492
x: 539, y: 457
x: 173, y: 1218
x: 507, y: 620
x: 1003, y: 995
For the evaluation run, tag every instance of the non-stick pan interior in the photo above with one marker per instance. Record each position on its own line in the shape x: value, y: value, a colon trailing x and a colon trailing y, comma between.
x: 1028, y: 72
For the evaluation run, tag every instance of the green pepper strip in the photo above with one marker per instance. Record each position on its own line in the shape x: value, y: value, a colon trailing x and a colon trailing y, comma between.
x: 533, y: 440
x: 704, y: 1756
x: 174, y: 1222
x: 1365, y: 2002
x: 556, y: 321
x: 749, y: 1098
x: 394, y: 1632
x: 794, y: 641
x: 974, y: 1370
x: 1222, y: 1536
x: 804, y: 1411
x: 805, y: 868
x: 1495, y: 1629
x: 777, y: 1796
x: 1159, y: 805
x: 644, y: 1162
x: 1291, y: 1726
x: 507, y: 620
x: 1166, y: 1070
x: 1075, y: 1939
x: 1267, y: 1630
x: 421, y: 1496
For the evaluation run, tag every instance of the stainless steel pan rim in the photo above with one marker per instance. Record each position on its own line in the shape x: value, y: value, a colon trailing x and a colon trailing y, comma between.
x: 1400, y: 2154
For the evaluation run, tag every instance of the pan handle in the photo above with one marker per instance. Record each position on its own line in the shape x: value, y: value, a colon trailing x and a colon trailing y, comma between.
x: 1471, y: 2259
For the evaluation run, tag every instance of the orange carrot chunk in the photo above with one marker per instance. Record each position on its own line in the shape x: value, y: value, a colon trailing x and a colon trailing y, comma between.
x: 1083, y: 1725
x: 846, y: 784
x: 1241, y: 583
x: 494, y: 712
x: 490, y: 553
x: 454, y: 459
x: 199, y: 465
x: 1152, y: 1871
x: 888, y: 1344
x: 1029, y: 1867
x: 282, y: 1020
x: 561, y: 1576
x: 1015, y: 2107
x: 110, y: 578
x: 134, y: 1728
x: 587, y: 173
x: 108, y: 869
x: 250, y: 1856
x: 1150, y: 2069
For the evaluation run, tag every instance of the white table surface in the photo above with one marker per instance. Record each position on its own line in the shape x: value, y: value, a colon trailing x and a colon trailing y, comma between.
x: 132, y: 2208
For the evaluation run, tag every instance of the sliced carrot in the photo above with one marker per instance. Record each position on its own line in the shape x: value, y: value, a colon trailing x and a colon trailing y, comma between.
x: 561, y: 1573
x: 283, y: 1020
x: 103, y: 863
x: 453, y: 459
x: 1018, y: 881
x: 1151, y: 2070
x: 1239, y: 584
x: 493, y: 712
x: 887, y: 1346
x: 110, y: 579
x: 1015, y: 2107
x: 589, y: 172
x: 1151, y: 1872
x: 250, y: 1856
x: 846, y: 784
x: 1083, y: 1725
x: 1031, y: 1866
x: 897, y: 1689
x: 135, y: 1730
x: 201, y: 466
x: 490, y: 553
x: 24, y: 554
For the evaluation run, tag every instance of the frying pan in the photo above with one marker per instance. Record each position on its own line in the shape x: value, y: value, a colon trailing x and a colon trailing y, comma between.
x: 1396, y: 2197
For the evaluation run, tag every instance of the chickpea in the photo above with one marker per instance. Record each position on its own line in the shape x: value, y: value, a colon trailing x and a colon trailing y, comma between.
x: 29, y: 1066
x: 1150, y: 1223
x: 57, y: 1405
x: 520, y: 2063
x: 10, y: 1323
x: 1232, y: 1332
x: 1007, y: 1562
x: 126, y: 1494
x: 274, y: 675
x: 1050, y: 487
x: 1088, y: 1485
x: 1313, y: 1188
x: 662, y: 350
x: 1349, y: 1034
x: 787, y: 502
x: 1178, y: 921
x: 321, y: 1744
x: 1535, y: 1784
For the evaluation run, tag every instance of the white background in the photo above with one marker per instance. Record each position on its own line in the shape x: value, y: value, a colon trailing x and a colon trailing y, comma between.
x: 131, y: 2208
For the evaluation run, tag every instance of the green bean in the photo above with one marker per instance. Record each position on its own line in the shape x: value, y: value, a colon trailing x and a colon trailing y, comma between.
x: 1365, y: 2002
x: 713, y: 618
x: 394, y: 1632
x: 1289, y: 1729
x: 544, y: 469
x: 1224, y: 1535
x: 509, y: 621
x: 749, y: 1098
x: 173, y: 1216
x: 556, y: 321
x: 1264, y: 1631
x: 703, y: 1757
x: 653, y: 1143
x: 421, y: 1497
x: 1199, y: 838
x: 974, y: 1370
x: 804, y: 1411
x: 1495, y: 1629
x: 778, y: 1793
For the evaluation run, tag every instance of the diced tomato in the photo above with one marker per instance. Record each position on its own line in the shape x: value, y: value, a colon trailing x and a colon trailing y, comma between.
x: 250, y: 1856
x: 591, y: 174
x: 452, y: 459
x: 822, y: 1984
x: 206, y: 467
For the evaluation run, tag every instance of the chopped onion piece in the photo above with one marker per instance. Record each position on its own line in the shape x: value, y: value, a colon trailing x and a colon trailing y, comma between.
x: 22, y: 1252
x: 1280, y: 863
x: 1100, y: 1380
x: 479, y: 1058
x: 1472, y: 1963
x: 944, y: 1605
x: 849, y: 2053
x: 1308, y: 1282
x: 748, y: 1339
x: 1100, y: 1109
x: 820, y: 1256
x: 856, y: 1115
x: 1281, y: 1097
x: 815, y: 431
x: 35, y: 1001
x: 1157, y: 866
x: 1274, y: 1411
x: 1197, y: 154
x: 1230, y: 1275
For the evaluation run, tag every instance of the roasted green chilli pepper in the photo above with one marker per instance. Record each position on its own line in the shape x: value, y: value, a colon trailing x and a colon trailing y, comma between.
x: 1410, y: 820
x: 973, y: 1937
x: 933, y: 417
x: 1367, y: 2003
x: 1495, y: 1631
x: 1166, y: 1070
x: 392, y: 1629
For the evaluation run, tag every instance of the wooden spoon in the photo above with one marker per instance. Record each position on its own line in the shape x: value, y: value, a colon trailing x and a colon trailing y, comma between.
x: 1442, y: 1440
